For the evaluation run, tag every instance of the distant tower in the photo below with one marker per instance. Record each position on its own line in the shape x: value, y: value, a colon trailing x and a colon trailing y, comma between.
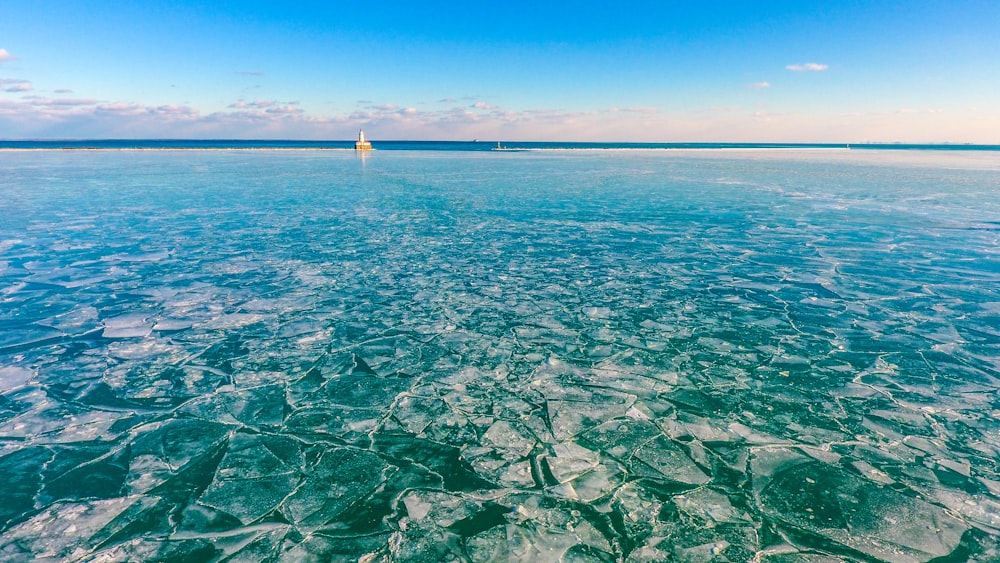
x: 361, y: 144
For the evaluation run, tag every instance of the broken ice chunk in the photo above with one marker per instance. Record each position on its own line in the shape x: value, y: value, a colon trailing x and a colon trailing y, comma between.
x: 61, y: 532
x: 12, y: 377
x: 337, y: 480
x: 645, y: 451
x: 368, y: 548
x: 133, y: 325
x: 172, y: 325
x: 81, y: 318
x: 597, y: 483
x: 543, y: 530
x: 511, y: 442
x: 640, y: 510
x: 619, y: 437
x: 25, y: 337
x: 256, y: 474
x: 350, y: 424
x: 22, y: 470
x: 569, y: 461
x: 256, y: 407
x: 570, y: 417
x: 668, y: 461
x: 863, y: 515
x: 159, y: 549
x: 434, y: 419
x: 711, y: 506
x: 435, y: 520
x: 366, y: 389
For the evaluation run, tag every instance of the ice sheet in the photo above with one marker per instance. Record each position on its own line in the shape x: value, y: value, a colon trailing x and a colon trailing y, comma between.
x: 473, y: 357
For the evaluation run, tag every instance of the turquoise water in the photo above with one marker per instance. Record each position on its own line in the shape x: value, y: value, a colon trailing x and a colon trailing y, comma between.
x: 460, y: 356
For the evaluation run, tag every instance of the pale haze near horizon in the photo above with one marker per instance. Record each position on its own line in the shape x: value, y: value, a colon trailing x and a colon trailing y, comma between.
x: 919, y: 72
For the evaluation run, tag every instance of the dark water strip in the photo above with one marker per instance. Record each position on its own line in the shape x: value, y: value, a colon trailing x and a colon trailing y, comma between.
x: 463, y: 146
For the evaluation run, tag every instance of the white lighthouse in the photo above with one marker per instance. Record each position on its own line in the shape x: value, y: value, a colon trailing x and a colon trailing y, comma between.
x: 361, y: 144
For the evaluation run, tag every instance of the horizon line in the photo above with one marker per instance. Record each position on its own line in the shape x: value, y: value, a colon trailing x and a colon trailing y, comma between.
x: 482, y: 141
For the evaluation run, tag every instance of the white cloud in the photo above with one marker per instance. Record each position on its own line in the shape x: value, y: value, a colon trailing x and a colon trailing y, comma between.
x: 5, y: 56
x: 760, y: 85
x: 632, y: 109
x: 719, y: 110
x: 130, y: 110
x: 262, y: 106
x: 915, y: 110
x: 255, y: 111
x: 816, y: 67
x: 285, y: 110
x: 122, y: 108
x: 44, y: 117
x: 768, y: 116
x: 483, y: 105
x: 15, y: 85
x: 255, y: 104
x: 62, y: 102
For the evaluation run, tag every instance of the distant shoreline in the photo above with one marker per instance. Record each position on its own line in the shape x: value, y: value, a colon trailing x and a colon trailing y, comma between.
x: 460, y: 146
x: 170, y: 149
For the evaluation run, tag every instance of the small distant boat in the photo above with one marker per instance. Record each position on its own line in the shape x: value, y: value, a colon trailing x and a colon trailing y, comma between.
x: 361, y: 144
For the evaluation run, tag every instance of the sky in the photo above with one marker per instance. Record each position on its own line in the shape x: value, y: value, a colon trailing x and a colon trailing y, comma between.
x: 920, y: 71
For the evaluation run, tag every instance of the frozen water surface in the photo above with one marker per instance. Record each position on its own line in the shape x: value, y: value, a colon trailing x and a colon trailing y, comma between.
x: 560, y: 356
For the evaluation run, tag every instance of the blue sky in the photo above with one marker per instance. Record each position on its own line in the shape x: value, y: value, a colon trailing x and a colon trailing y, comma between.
x: 845, y: 71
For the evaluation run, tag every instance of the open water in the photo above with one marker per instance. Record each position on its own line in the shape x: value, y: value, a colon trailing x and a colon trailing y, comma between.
x: 451, y: 146
x: 746, y: 355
